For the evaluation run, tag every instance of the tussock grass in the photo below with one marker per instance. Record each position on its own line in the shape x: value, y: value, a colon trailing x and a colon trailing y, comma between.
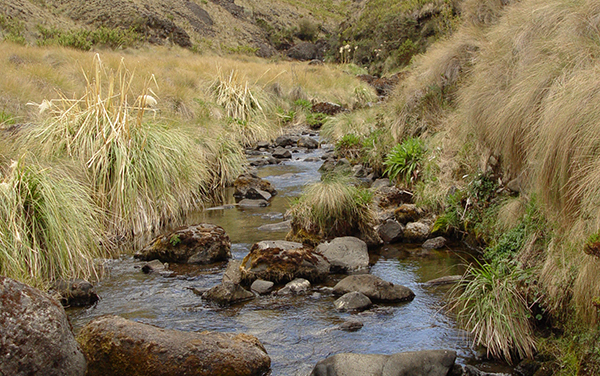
x: 49, y: 226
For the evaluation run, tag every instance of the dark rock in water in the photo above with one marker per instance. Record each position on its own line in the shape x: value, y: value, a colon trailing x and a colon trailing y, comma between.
x: 281, y: 226
x: 252, y: 187
x: 282, y: 261
x: 233, y: 273
x: 312, y: 159
x: 74, y: 292
x: 327, y: 108
x: 35, y: 334
x: 227, y: 293
x: 203, y: 243
x: 262, y: 145
x: 415, y: 363
x: 296, y: 287
x: 435, y: 243
x: 287, y: 140
x: 416, y: 232
x: 308, y: 142
x: 351, y: 326
x: 374, y: 287
x: 352, y: 301
x: 247, y: 203
x: 154, y: 266
x: 116, y: 346
x: 262, y: 287
x: 345, y: 254
x: 446, y: 280
x: 258, y: 194
x: 282, y: 153
x: 391, y: 231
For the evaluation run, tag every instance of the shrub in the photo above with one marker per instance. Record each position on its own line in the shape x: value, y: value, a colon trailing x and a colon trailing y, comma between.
x: 316, y: 119
x: 86, y: 39
x: 403, y: 161
x: 349, y: 146
x: 307, y: 31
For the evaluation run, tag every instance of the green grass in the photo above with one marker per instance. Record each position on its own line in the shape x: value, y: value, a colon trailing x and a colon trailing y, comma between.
x: 86, y: 39
x: 403, y: 161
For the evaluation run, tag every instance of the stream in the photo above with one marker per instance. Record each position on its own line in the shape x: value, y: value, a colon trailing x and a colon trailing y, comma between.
x: 297, y: 331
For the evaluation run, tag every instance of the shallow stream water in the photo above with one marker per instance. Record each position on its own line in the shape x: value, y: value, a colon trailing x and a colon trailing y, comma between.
x: 296, y: 331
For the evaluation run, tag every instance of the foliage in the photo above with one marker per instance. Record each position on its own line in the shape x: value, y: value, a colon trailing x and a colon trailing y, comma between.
x: 307, y: 31
x: 12, y: 29
x: 6, y: 118
x: 86, y: 39
x: 303, y: 104
x: 49, y: 227
x: 316, y: 119
x: 403, y: 161
x: 349, y: 146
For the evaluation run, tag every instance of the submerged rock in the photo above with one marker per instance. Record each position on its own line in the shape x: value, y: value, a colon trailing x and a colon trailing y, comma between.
x: 116, y: 346
x: 374, y: 287
x: 415, y: 363
x: 446, y: 280
x: 351, y: 326
x: 74, y: 292
x: 228, y: 293
x: 198, y: 244
x: 248, y: 203
x: 282, y: 261
x: 345, y: 254
x: 281, y: 226
x: 352, y: 301
x: 154, y: 266
x: 35, y: 334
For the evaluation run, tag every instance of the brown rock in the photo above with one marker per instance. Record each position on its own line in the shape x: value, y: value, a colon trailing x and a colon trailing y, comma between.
x: 247, y: 185
x: 374, y: 288
x: 407, y: 213
x: 74, y: 292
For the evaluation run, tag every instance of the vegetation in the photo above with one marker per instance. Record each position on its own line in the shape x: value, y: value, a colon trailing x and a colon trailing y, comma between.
x: 86, y: 39
x: 402, y: 163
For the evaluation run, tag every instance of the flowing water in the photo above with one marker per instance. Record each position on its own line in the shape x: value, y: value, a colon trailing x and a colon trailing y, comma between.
x: 296, y: 331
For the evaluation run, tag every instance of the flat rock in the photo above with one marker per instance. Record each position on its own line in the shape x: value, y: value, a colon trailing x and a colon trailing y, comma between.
x: 116, y: 346
x: 352, y: 301
x: 153, y: 266
x: 374, y: 288
x: 446, y: 280
x: 203, y: 243
x: 262, y: 287
x: 248, y: 203
x: 281, y: 226
x: 435, y: 243
x: 36, y: 336
x: 233, y: 273
x: 345, y: 254
x: 391, y: 231
x: 281, y: 153
x: 227, y: 293
x: 351, y: 326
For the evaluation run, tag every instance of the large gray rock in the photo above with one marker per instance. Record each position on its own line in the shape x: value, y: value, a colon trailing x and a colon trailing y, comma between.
x: 374, y: 287
x: 287, y: 140
x: 345, y: 254
x: 74, y: 292
x: 35, y: 334
x: 115, y: 346
x: 391, y: 231
x: 282, y: 153
x: 227, y: 293
x: 296, y: 287
x: 262, y: 287
x: 233, y: 273
x: 416, y: 232
x: 282, y: 261
x: 435, y: 243
x: 415, y: 363
x: 308, y: 142
x: 203, y: 243
x: 352, y: 301
x: 252, y: 187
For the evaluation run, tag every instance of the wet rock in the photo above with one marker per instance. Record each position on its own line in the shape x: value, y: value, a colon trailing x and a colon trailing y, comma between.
x: 352, y: 301
x: 414, y: 363
x: 252, y: 187
x: 74, y: 292
x: 359, y: 171
x: 262, y: 287
x: 228, y: 293
x: 374, y: 288
x: 446, y: 280
x: 345, y: 254
x: 296, y: 287
x: 35, y: 334
x: 469, y: 370
x: 351, y: 326
x: 327, y: 108
x: 312, y: 159
x: 282, y: 261
x: 308, y: 142
x: 282, y: 153
x: 248, y: 203
x: 281, y: 226
x: 327, y: 166
x: 435, y: 243
x: 203, y: 243
x: 262, y: 145
x: 416, y: 232
x: 153, y: 266
x: 116, y: 346
x: 392, y: 196
x: 407, y: 213
x: 287, y: 140
x: 391, y: 231
x: 233, y: 273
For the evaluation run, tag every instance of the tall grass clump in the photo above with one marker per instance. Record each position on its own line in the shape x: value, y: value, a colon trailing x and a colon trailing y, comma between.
x: 331, y: 208
x: 142, y: 171
x: 49, y: 226
x: 403, y: 161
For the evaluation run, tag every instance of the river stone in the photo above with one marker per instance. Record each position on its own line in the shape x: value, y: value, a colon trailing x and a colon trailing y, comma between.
x: 232, y: 272
x: 435, y: 243
x: 416, y: 231
x: 119, y: 347
x: 308, y: 142
x: 352, y: 301
x: 282, y: 153
x: 391, y: 231
x: 296, y: 287
x: 258, y: 194
x: 446, y: 280
x: 414, y: 363
x: 250, y: 186
x: 351, y: 326
x: 374, y: 287
x: 282, y: 261
x: 286, y: 140
x: 74, y: 292
x: 203, y: 243
x: 227, y: 293
x: 35, y: 334
x: 387, y: 196
x: 262, y: 287
x: 281, y: 226
x: 153, y: 266
x: 248, y: 203
x: 380, y: 183
x: 345, y: 254
x: 408, y: 213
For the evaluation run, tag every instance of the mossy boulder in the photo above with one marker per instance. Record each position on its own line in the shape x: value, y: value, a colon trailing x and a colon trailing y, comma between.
x: 115, y: 346
x: 282, y: 261
x: 203, y: 243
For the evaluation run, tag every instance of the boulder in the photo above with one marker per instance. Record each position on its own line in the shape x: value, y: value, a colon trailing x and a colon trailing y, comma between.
x: 414, y: 363
x: 74, y: 292
x: 327, y: 108
x: 282, y: 261
x: 287, y: 140
x: 154, y: 266
x: 352, y: 301
x: 252, y: 187
x: 374, y: 288
x: 248, y: 203
x: 359, y: 171
x: 381, y: 183
x: 36, y: 337
x: 345, y: 254
x: 262, y: 287
x: 227, y: 293
x: 296, y: 287
x: 116, y: 346
x: 435, y: 243
x: 387, y: 196
x: 308, y: 142
x: 391, y: 231
x: 408, y: 213
x: 203, y: 243
x: 351, y: 326
x: 416, y: 232
x: 281, y: 153
x: 232, y: 272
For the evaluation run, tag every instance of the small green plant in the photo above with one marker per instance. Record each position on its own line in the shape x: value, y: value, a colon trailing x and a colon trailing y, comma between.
x: 404, y: 159
x: 174, y: 240
x: 13, y: 29
x: 349, y: 146
x: 285, y: 117
x: 86, y: 39
x: 316, y: 120
x: 303, y: 104
x: 307, y: 31
x: 6, y: 118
